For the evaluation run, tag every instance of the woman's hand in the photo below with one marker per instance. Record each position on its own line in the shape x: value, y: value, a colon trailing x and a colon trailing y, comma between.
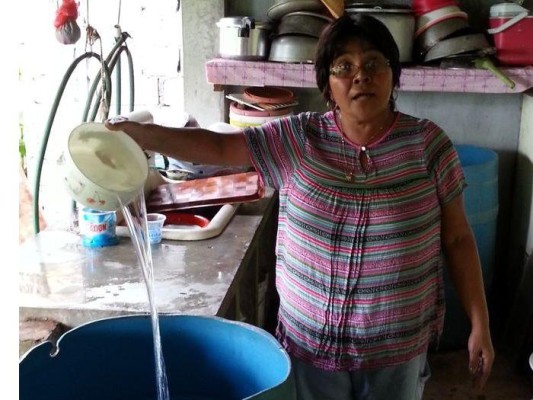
x: 464, y: 267
x: 481, y: 357
x: 131, y: 128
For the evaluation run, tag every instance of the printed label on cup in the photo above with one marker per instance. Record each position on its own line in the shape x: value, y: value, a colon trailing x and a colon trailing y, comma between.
x: 155, y: 226
x: 98, y: 228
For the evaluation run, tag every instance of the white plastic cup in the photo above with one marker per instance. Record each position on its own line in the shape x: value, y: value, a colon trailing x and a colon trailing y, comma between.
x: 155, y: 226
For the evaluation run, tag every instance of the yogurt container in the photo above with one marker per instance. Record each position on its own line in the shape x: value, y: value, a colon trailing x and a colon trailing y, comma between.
x: 98, y: 228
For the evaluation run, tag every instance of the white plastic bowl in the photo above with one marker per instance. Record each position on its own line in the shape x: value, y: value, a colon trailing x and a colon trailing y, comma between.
x: 103, y: 169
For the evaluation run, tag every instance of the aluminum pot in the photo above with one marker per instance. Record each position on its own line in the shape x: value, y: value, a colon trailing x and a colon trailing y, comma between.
x: 243, y: 38
x: 474, y: 42
x: 399, y: 21
x: 284, y: 7
x: 293, y: 49
x: 439, y: 31
x: 303, y: 23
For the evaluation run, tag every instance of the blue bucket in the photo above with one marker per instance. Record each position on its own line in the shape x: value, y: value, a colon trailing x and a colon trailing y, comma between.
x: 205, y: 357
x: 480, y: 166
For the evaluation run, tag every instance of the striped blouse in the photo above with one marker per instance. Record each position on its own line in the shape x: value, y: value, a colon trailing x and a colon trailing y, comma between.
x: 359, y: 267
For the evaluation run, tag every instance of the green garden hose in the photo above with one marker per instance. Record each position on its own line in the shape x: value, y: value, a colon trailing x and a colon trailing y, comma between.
x: 108, y: 66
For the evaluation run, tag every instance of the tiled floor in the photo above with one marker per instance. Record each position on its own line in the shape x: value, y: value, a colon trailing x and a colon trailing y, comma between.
x: 450, y: 379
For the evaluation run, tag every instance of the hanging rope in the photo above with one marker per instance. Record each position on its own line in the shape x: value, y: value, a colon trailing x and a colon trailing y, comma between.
x: 119, y: 9
x: 92, y: 37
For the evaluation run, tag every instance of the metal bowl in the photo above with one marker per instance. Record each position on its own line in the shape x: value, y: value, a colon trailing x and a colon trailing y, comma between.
x: 293, y: 49
x: 438, y: 14
x: 303, y: 23
x: 457, y: 45
x: 284, y: 7
x: 439, y: 31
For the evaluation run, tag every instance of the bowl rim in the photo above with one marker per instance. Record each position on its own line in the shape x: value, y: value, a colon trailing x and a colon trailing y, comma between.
x: 133, y: 147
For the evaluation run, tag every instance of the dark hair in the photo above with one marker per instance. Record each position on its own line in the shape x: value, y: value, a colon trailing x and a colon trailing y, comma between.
x: 350, y: 27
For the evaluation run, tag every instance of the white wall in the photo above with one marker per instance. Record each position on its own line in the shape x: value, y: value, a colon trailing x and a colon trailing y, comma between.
x: 200, y: 45
x: 524, y: 180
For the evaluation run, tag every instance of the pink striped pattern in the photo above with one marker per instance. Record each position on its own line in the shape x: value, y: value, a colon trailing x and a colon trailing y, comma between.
x: 359, y: 264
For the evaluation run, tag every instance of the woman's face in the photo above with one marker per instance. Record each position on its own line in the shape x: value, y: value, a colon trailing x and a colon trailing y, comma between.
x: 360, y: 81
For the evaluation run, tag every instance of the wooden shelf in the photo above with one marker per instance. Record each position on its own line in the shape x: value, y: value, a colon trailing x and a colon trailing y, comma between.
x: 222, y: 72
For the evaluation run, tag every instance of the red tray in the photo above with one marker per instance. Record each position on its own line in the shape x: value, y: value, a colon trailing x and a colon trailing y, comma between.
x: 235, y: 188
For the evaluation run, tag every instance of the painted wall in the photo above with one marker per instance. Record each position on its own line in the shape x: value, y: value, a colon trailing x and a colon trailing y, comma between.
x: 200, y: 43
x: 524, y: 174
x: 521, y: 235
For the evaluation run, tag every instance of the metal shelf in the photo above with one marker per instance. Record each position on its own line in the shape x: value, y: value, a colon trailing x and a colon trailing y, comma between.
x: 222, y: 72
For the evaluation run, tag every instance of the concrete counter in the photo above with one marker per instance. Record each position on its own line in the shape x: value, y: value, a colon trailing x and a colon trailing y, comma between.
x: 62, y: 280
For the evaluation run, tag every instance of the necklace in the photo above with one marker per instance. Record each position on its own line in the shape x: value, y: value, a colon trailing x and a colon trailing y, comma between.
x: 349, y: 175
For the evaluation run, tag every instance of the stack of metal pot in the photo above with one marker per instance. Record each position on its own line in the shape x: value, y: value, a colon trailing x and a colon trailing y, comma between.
x: 398, y: 18
x: 298, y: 24
x: 442, y: 31
x: 443, y: 35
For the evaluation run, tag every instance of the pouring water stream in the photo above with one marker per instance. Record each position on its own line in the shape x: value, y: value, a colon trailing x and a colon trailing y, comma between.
x: 135, y: 216
x: 106, y: 171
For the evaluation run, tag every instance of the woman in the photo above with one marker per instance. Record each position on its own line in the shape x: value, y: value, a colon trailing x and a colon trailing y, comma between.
x: 370, y: 206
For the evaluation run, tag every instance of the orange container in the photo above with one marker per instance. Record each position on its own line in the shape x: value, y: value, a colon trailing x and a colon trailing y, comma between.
x: 512, y: 30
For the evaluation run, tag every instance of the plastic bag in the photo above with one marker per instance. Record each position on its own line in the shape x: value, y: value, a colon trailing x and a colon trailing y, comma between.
x: 67, y: 29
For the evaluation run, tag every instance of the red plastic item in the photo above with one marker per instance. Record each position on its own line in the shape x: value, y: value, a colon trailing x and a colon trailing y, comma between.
x: 268, y: 95
x: 67, y: 11
x: 421, y: 7
x: 514, y: 45
x: 215, y: 190
x: 174, y: 218
x: 240, y: 109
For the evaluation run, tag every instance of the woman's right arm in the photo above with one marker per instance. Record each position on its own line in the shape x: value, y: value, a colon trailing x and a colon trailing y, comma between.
x: 188, y: 144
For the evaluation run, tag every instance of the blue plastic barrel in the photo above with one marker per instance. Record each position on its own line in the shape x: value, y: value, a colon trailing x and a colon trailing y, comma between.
x: 206, y: 358
x: 480, y: 166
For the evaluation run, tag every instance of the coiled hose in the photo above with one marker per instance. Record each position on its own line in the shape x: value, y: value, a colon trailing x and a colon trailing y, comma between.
x: 108, y: 66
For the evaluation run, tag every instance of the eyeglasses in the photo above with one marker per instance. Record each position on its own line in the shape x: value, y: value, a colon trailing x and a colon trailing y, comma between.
x: 370, y: 67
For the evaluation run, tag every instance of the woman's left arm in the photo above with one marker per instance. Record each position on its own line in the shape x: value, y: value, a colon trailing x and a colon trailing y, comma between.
x: 464, y: 268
